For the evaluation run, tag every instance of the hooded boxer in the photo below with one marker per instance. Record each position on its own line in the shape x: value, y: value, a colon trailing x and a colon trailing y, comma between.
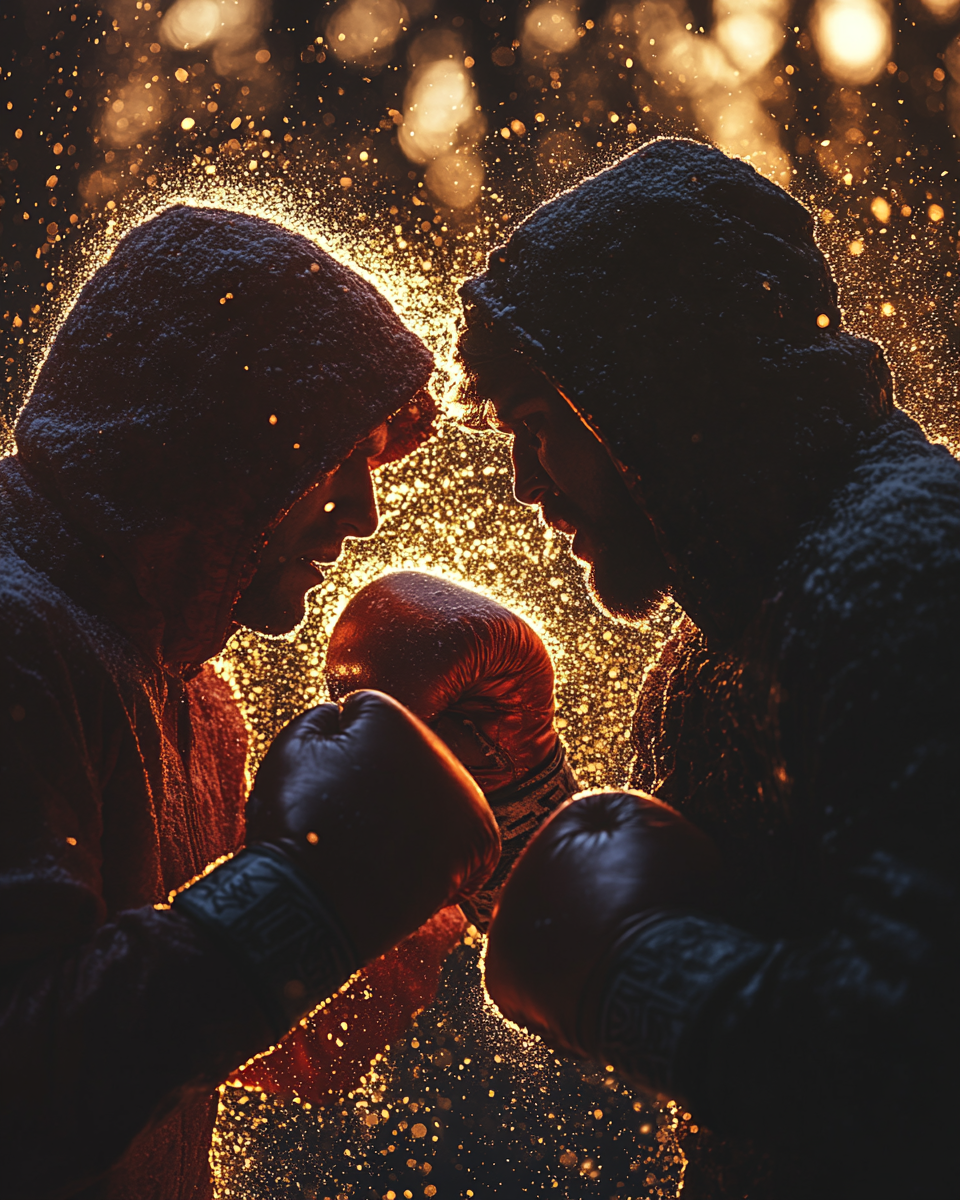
x: 765, y: 925
x: 199, y: 438
x: 675, y: 314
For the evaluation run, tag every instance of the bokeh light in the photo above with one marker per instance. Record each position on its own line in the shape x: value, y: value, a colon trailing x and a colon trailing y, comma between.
x: 942, y: 10
x: 441, y: 124
x: 551, y: 27
x: 853, y: 37
x: 191, y: 23
x: 364, y: 32
x: 750, y: 31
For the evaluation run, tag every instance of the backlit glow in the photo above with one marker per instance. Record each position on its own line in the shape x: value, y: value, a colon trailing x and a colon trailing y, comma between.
x: 853, y: 38
x: 551, y: 27
x: 440, y: 123
x: 363, y: 32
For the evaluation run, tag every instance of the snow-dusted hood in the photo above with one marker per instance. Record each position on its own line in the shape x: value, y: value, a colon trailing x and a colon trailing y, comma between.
x: 214, y: 370
x: 674, y: 298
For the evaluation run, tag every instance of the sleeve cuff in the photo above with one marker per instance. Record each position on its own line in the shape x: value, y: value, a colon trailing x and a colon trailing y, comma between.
x: 663, y: 979
x: 262, y: 912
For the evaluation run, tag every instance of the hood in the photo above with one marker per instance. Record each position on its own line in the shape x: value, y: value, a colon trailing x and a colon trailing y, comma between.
x: 679, y: 301
x: 211, y: 373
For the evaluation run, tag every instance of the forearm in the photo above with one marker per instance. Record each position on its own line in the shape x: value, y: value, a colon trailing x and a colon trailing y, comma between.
x: 98, y: 1042
x: 757, y: 1038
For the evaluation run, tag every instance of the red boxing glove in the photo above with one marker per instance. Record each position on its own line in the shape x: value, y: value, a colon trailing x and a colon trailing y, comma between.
x: 594, y: 873
x: 479, y: 676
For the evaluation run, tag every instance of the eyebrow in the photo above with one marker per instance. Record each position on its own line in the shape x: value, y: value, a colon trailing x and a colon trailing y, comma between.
x: 503, y: 411
x: 375, y: 440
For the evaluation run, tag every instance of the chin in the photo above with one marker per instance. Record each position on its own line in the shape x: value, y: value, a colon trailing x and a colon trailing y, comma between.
x: 276, y: 619
x: 627, y: 595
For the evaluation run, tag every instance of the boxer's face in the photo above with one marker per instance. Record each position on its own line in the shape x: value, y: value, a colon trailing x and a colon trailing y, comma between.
x: 312, y: 533
x: 560, y: 467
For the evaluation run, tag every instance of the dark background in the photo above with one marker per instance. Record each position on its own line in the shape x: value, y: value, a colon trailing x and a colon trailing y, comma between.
x: 66, y: 166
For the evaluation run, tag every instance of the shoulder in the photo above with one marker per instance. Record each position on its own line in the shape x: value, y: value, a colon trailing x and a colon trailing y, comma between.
x: 27, y: 598
x: 36, y: 618
x: 44, y: 630
x: 868, y: 655
x: 884, y: 561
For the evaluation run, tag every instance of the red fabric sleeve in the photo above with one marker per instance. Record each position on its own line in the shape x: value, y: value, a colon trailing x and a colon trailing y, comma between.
x: 328, y: 1055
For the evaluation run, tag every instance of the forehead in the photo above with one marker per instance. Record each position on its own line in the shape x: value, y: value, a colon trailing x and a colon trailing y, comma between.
x: 508, y: 381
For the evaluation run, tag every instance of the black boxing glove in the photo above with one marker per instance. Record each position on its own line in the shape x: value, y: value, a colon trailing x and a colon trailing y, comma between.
x: 599, y: 868
x: 480, y: 676
x: 360, y: 826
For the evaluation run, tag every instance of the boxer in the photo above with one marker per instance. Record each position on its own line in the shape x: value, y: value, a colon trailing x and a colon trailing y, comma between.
x: 763, y: 923
x: 200, y: 437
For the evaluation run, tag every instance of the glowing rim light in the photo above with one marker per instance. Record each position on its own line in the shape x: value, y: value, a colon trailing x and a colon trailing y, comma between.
x: 853, y: 38
x: 427, y: 304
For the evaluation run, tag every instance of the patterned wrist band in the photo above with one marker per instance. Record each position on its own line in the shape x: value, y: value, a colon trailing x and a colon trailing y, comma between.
x: 520, y: 809
x: 267, y: 917
x: 663, y: 978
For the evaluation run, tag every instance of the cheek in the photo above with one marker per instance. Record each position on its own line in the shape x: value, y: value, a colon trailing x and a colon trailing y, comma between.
x: 573, y: 465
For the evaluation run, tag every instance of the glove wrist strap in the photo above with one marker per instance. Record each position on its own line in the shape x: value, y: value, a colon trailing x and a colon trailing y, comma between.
x: 665, y: 974
x: 520, y: 809
x: 262, y: 912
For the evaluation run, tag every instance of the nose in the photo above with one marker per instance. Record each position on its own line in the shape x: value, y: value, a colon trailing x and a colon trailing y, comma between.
x: 357, y: 511
x: 530, y: 481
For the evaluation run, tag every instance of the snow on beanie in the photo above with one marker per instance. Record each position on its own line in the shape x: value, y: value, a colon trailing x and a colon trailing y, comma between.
x: 680, y: 301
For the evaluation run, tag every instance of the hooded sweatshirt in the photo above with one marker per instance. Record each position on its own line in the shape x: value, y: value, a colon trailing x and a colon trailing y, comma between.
x: 804, y: 712
x: 211, y: 373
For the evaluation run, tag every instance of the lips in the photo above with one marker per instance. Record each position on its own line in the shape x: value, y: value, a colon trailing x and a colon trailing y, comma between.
x: 321, y: 556
x: 557, y: 519
x: 562, y: 516
x: 310, y: 566
x: 582, y: 547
